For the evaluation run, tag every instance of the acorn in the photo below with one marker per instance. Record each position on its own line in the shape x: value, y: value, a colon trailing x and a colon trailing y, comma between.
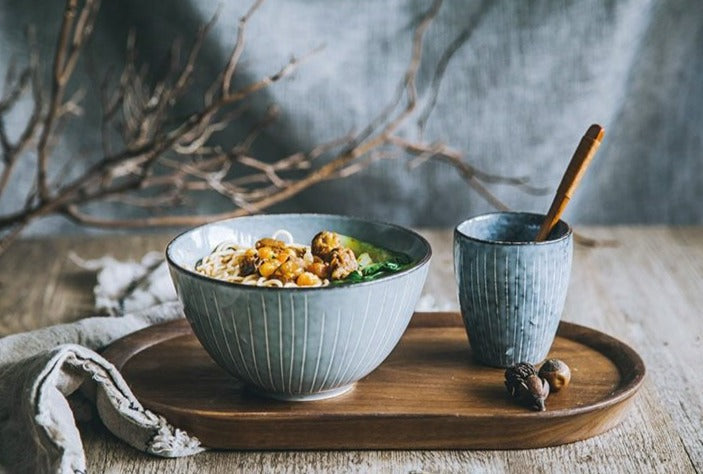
x: 526, y: 386
x: 556, y: 373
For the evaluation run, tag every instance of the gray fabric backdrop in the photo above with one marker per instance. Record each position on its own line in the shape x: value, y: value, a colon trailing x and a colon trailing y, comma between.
x: 517, y: 95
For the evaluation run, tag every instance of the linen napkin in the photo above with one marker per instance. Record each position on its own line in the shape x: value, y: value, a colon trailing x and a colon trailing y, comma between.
x: 48, y: 374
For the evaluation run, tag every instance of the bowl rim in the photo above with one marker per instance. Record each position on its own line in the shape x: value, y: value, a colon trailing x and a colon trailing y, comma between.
x: 416, y: 266
x: 489, y: 215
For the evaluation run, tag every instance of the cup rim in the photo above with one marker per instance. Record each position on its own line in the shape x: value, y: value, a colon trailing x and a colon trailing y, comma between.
x: 489, y: 215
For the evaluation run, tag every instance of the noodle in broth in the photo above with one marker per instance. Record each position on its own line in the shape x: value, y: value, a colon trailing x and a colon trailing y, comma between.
x: 279, y: 262
x: 225, y: 263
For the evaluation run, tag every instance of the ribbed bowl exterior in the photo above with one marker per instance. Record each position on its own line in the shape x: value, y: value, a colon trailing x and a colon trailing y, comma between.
x: 295, y: 342
x: 299, y: 342
x: 512, y: 295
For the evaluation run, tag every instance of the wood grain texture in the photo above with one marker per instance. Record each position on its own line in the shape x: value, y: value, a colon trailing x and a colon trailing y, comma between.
x: 646, y: 291
x: 585, y: 151
x: 430, y: 393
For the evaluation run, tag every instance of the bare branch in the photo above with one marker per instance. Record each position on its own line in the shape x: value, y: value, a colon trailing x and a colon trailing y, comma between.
x: 446, y: 57
x: 466, y: 171
x: 65, y: 59
x: 441, y: 152
x: 284, y: 72
x: 15, y: 90
x: 152, y: 158
x: 238, y: 49
x: 13, y: 151
x: 414, y: 66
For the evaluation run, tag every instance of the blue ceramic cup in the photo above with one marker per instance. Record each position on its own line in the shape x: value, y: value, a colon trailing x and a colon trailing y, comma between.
x: 511, y: 289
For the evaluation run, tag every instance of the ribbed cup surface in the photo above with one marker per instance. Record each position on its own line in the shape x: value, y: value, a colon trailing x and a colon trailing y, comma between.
x: 511, y: 293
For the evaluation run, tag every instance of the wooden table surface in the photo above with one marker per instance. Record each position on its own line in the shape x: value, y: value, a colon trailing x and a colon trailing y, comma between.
x: 647, y: 291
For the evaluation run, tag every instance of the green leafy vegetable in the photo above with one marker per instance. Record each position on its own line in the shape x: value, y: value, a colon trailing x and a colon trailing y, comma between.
x: 374, y: 262
x: 360, y: 247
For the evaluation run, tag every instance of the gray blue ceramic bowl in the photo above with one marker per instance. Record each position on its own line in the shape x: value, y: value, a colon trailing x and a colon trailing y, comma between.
x: 298, y: 343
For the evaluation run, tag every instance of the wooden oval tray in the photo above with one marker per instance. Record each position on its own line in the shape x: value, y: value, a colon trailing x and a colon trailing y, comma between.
x: 428, y: 394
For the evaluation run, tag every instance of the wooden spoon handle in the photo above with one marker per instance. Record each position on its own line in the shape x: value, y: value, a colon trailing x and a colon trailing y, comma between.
x: 572, y: 177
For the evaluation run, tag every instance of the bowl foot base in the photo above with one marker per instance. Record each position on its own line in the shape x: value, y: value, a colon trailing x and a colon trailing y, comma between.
x: 335, y: 392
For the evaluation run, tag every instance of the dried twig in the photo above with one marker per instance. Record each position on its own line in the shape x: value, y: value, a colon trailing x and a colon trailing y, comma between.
x: 68, y: 49
x: 29, y: 77
x: 444, y: 60
x: 161, y: 157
